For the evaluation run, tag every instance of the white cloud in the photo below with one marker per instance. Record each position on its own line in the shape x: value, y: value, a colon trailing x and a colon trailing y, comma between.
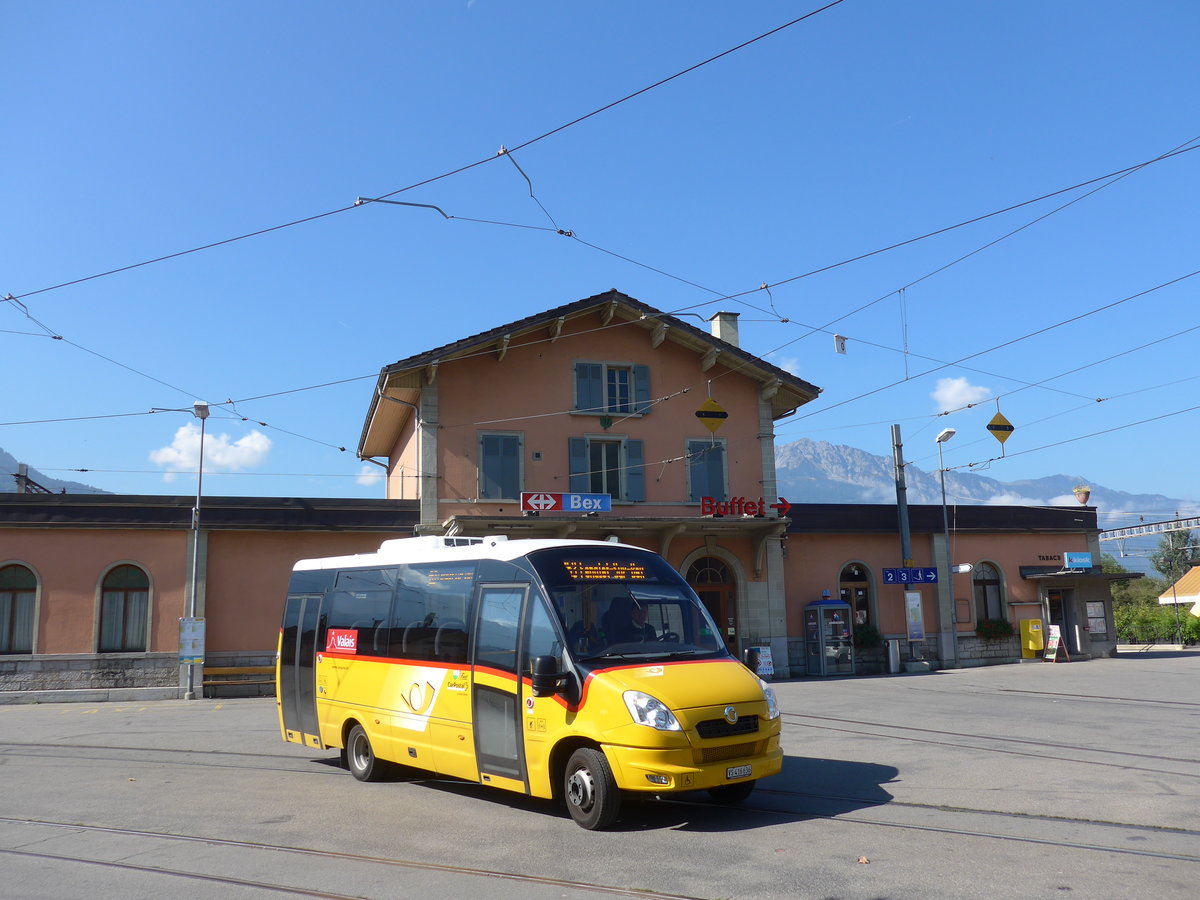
x: 1012, y: 499
x: 790, y: 364
x: 369, y: 476
x: 221, y: 453
x: 955, y: 393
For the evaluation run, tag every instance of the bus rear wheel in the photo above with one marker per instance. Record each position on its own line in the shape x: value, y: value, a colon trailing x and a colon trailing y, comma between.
x: 360, y: 758
x: 590, y: 790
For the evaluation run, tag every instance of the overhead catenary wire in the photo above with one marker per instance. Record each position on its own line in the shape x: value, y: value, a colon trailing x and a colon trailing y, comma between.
x: 1010, y: 342
x: 529, y: 227
x: 762, y: 286
x: 448, y: 174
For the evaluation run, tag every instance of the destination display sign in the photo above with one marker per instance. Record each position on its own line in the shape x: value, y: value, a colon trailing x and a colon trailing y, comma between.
x: 605, y: 570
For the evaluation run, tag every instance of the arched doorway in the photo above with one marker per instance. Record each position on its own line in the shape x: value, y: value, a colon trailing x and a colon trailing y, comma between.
x: 854, y: 588
x: 712, y: 581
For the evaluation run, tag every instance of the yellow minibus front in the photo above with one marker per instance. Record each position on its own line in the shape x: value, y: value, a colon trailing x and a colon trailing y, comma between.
x: 577, y: 670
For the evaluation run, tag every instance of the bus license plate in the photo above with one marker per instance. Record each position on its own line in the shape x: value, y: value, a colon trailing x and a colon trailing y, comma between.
x: 737, y: 772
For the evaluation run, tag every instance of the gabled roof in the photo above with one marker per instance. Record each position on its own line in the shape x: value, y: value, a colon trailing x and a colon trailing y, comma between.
x: 404, y: 378
x: 1186, y: 590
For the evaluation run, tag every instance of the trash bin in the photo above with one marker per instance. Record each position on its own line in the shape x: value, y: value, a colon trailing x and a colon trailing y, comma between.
x: 893, y: 657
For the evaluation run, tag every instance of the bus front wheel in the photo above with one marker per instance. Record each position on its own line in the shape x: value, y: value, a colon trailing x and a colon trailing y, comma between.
x: 360, y: 758
x: 590, y: 790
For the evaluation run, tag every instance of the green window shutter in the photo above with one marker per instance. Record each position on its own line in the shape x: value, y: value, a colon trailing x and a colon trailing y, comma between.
x: 499, y: 466
x: 706, y: 470
x: 577, y: 450
x: 635, y: 476
x: 641, y: 389
x: 589, y: 387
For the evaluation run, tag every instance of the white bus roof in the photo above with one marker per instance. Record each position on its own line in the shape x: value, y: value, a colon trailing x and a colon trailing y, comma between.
x: 439, y: 548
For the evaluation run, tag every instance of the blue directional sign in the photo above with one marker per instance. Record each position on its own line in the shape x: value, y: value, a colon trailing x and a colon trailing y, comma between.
x: 913, y: 575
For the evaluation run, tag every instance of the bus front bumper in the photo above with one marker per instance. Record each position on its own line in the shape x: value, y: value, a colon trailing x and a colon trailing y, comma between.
x: 661, y: 771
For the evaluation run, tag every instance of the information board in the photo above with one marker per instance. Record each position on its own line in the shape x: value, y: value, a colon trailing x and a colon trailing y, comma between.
x: 913, y: 616
x: 191, y: 641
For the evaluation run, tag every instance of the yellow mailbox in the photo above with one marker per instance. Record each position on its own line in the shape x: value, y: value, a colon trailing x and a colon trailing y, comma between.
x: 1031, y: 638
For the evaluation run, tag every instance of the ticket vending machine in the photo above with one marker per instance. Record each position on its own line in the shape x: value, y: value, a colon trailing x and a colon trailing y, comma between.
x: 828, y: 637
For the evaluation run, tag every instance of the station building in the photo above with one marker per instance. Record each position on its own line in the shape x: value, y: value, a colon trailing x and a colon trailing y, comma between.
x: 517, y: 431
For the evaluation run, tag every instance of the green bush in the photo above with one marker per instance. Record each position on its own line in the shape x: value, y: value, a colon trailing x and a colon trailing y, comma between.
x: 994, y: 629
x: 867, y: 637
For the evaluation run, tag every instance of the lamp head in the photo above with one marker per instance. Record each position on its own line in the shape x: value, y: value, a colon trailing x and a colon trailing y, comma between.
x: 200, y: 410
x: 945, y: 434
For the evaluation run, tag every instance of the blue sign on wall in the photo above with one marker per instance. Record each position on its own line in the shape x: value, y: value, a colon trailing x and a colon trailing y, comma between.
x: 913, y: 575
x: 1077, y: 560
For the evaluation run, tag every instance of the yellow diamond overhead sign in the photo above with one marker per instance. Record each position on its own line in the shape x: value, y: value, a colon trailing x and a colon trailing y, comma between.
x: 712, y: 414
x: 1000, y: 427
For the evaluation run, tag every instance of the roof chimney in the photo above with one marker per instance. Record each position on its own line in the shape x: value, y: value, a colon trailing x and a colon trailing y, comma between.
x: 725, y: 327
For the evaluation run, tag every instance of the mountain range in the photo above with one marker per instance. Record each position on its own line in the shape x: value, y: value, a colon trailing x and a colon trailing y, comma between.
x: 8, y: 479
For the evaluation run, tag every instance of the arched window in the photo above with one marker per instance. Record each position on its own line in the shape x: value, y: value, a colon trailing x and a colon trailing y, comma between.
x: 18, y: 592
x: 124, y: 608
x: 854, y: 587
x: 989, y: 596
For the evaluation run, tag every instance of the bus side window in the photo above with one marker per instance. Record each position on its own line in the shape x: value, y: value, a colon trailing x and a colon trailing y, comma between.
x: 541, y: 639
x: 362, y: 603
x: 496, y: 639
x: 413, y: 628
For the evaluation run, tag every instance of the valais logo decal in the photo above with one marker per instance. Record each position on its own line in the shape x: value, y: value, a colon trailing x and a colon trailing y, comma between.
x: 342, y: 640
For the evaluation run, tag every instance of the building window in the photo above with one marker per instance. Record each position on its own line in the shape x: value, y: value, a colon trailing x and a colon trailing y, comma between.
x: 124, y: 610
x: 607, y: 465
x: 18, y: 593
x: 500, y: 476
x: 607, y: 389
x: 989, y: 599
x: 706, y: 470
x: 854, y: 588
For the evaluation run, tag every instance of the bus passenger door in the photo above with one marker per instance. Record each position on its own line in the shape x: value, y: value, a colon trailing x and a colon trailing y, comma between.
x: 297, y: 683
x: 496, y: 702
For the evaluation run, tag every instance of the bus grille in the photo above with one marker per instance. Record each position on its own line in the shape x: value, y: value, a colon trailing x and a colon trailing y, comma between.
x: 732, y: 751
x: 719, y: 728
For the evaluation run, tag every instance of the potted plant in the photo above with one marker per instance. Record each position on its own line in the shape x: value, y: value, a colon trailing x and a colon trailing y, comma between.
x: 994, y: 629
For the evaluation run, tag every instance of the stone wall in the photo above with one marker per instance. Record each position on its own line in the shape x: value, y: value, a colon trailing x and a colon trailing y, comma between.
x: 93, y: 673
x: 975, y: 651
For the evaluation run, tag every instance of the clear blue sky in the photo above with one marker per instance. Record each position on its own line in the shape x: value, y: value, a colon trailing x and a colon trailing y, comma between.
x: 138, y: 130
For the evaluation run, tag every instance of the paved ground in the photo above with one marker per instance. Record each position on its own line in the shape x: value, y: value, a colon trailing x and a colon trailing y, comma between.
x: 1015, y: 781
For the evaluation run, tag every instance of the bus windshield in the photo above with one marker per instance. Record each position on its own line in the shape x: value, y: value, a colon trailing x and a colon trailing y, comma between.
x: 617, y: 602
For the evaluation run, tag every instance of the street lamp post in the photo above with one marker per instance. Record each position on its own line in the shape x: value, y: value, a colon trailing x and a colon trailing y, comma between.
x: 947, y: 592
x: 200, y: 411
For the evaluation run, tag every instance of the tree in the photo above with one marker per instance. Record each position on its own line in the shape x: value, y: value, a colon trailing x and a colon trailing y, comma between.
x: 1137, y: 615
x: 1175, y: 555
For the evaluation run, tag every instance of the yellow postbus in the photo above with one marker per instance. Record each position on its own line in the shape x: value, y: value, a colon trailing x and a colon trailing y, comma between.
x: 578, y: 670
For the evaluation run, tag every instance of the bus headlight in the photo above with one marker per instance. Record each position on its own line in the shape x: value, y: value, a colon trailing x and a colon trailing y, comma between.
x: 647, y: 710
x: 772, y: 703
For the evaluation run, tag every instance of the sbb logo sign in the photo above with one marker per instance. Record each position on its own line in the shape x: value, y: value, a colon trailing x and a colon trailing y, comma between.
x: 342, y: 640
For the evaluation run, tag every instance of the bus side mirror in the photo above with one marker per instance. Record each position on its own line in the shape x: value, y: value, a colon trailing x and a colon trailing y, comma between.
x: 547, y: 680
